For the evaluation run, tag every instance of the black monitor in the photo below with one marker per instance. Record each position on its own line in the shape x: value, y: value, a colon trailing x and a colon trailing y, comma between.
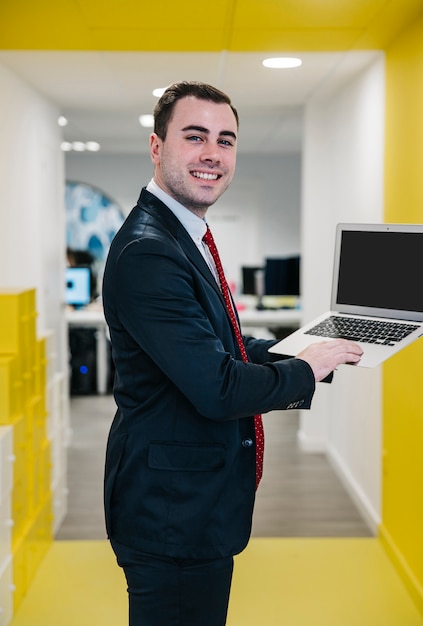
x: 282, y: 276
x: 249, y: 280
x: 77, y: 286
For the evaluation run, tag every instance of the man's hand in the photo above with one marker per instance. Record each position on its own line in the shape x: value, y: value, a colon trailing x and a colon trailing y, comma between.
x: 325, y: 356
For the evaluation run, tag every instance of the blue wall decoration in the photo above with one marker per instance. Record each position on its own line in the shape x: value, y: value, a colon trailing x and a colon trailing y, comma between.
x: 92, y: 219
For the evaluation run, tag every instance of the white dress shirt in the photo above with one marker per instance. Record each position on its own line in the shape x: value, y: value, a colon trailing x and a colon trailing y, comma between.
x: 195, y: 226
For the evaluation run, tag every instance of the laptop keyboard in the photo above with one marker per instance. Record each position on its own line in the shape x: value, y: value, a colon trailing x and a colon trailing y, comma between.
x: 365, y: 331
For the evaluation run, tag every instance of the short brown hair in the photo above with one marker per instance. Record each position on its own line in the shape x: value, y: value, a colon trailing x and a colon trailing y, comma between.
x: 165, y: 105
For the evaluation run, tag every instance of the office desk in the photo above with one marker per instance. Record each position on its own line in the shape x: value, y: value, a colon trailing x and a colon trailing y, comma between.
x: 94, y: 318
x: 271, y: 319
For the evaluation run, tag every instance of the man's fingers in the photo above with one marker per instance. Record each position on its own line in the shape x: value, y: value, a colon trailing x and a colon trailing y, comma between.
x: 325, y: 356
x: 347, y: 347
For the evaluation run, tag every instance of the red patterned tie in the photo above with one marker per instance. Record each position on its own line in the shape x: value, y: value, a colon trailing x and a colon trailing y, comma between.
x: 258, y: 424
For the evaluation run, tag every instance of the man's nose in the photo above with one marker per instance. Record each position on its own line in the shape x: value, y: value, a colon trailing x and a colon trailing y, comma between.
x: 210, y: 153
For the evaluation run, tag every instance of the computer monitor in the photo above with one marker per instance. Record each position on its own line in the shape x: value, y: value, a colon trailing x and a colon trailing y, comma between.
x: 250, y: 283
x: 282, y: 276
x: 77, y: 286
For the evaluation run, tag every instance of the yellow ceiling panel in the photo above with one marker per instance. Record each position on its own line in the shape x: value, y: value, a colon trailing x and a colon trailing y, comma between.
x: 235, y: 25
x: 320, y: 25
x: 42, y: 25
x: 155, y: 16
x: 306, y: 14
x: 112, y: 25
x: 307, y: 40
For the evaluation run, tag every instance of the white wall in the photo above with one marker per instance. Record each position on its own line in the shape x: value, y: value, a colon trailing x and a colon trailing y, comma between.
x: 343, y: 181
x: 32, y: 236
x: 258, y: 216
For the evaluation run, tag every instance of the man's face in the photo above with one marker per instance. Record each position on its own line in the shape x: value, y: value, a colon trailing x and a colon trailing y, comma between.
x: 196, y: 162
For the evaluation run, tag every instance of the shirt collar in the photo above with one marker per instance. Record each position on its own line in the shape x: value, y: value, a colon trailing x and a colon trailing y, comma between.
x: 195, y: 226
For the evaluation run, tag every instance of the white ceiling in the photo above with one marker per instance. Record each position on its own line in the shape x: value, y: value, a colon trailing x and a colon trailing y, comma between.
x: 103, y: 93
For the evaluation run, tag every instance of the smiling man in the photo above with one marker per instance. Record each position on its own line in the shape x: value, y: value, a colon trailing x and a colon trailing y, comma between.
x: 181, y: 464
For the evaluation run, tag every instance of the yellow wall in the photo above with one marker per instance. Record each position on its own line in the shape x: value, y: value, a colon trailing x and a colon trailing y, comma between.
x: 402, y: 509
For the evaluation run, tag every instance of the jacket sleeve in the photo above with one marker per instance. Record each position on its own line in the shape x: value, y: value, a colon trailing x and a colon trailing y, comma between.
x: 173, y: 316
x: 257, y: 350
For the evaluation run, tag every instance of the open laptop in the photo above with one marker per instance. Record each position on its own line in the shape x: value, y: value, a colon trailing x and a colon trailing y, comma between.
x: 377, y: 292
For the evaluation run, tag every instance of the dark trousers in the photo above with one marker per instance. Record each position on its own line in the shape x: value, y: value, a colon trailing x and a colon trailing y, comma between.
x: 165, y: 591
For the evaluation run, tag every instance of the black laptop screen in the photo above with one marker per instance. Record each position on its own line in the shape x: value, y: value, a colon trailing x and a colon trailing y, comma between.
x: 381, y: 270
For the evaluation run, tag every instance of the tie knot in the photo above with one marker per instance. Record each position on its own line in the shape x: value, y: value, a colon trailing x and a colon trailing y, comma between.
x: 208, y: 237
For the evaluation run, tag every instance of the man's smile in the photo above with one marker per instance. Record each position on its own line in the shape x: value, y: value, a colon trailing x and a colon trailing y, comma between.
x: 205, y: 176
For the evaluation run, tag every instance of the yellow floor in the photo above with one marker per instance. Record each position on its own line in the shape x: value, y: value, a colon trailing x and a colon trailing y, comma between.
x: 277, y: 582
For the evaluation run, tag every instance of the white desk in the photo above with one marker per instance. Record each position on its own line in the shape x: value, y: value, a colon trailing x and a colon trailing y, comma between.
x: 271, y: 319
x: 94, y: 318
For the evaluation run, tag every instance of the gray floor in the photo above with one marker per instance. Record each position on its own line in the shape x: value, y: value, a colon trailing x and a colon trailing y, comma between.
x: 300, y: 495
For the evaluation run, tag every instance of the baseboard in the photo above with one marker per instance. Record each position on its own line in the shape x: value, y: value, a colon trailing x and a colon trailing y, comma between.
x: 413, y: 585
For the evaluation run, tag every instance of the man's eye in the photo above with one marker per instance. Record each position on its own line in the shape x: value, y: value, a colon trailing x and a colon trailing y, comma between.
x: 226, y: 142
x: 194, y: 138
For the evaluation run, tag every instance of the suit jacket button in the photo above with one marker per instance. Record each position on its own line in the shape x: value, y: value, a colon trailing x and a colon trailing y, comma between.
x: 247, y: 443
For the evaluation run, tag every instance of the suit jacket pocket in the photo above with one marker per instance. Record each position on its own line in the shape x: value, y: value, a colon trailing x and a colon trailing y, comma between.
x: 186, y: 457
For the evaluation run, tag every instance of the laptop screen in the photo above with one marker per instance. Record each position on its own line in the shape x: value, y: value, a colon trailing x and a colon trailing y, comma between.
x: 378, y: 270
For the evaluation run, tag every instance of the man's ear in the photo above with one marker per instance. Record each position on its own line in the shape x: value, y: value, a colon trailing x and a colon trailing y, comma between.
x: 155, y: 148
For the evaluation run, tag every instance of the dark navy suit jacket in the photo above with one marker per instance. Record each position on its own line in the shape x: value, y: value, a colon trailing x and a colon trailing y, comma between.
x: 180, y: 462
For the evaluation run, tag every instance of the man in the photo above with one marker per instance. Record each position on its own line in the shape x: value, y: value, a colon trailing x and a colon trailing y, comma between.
x: 180, y: 473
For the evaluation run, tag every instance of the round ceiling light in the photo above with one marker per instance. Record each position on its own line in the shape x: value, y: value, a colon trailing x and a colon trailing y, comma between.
x: 157, y: 93
x: 92, y: 146
x: 282, y: 62
x: 147, y: 120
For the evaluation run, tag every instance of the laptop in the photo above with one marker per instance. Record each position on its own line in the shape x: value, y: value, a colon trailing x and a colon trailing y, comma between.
x: 377, y: 292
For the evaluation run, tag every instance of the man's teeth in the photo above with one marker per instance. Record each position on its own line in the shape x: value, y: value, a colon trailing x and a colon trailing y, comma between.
x: 205, y: 176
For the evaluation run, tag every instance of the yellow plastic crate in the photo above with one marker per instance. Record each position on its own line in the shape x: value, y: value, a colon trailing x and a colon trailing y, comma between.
x: 40, y: 366
x: 10, y: 389
x: 20, y: 447
x: 18, y: 322
x: 36, y: 422
x: 30, y: 436
x: 21, y: 509
x: 49, y: 339
x: 44, y: 471
x: 20, y: 581
x: 40, y: 478
x: 22, y: 473
x: 30, y: 547
x: 28, y: 383
x: 39, y: 538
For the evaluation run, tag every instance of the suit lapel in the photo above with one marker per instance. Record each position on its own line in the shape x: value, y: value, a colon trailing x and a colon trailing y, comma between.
x: 160, y: 212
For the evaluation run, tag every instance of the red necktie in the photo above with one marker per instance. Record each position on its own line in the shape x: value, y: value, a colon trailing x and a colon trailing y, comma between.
x: 258, y: 424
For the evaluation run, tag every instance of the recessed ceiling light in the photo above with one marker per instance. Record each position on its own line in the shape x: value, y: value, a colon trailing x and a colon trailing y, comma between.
x: 62, y: 120
x: 159, y: 91
x: 282, y: 62
x: 146, y: 120
x: 92, y: 146
x: 78, y: 146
